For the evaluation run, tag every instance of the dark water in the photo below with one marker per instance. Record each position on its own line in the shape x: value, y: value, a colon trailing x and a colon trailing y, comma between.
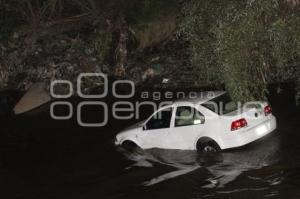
x: 61, y: 160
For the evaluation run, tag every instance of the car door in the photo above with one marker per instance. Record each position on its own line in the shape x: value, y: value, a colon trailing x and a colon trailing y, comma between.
x: 188, y: 123
x: 157, y: 129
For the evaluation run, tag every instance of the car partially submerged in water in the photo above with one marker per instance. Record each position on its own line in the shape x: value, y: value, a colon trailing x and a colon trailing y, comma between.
x: 209, y: 123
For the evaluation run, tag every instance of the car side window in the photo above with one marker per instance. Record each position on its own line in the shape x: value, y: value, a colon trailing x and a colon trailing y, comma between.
x: 187, y: 116
x: 160, y: 120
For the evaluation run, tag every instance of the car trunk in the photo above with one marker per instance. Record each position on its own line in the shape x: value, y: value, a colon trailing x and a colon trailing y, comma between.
x: 254, y: 116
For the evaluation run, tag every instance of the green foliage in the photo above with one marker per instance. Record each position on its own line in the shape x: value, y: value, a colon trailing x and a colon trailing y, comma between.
x: 244, y: 45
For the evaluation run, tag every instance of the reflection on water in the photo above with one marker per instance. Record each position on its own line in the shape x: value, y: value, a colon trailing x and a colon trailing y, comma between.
x: 223, y: 167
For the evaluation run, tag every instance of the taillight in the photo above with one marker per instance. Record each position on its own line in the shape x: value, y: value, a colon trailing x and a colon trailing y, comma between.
x: 238, y: 124
x: 268, y: 110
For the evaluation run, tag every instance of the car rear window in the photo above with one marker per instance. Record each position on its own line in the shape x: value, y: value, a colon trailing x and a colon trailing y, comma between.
x: 221, y: 105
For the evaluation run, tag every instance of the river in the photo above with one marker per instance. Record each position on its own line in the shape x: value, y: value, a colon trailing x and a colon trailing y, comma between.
x: 55, y: 159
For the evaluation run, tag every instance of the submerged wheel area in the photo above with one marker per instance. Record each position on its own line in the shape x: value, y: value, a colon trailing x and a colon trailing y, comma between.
x: 129, y: 145
x: 207, y: 145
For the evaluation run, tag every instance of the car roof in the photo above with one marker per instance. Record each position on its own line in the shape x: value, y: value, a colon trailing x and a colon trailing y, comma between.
x: 200, y: 98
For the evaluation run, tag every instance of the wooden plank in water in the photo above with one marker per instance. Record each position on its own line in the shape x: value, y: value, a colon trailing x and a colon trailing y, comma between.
x: 35, y: 97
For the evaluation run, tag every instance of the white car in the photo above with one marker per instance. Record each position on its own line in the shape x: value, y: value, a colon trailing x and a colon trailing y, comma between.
x: 209, y: 123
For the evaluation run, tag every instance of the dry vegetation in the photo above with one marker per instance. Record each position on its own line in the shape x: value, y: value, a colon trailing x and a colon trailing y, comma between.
x: 229, y: 41
x: 59, y: 39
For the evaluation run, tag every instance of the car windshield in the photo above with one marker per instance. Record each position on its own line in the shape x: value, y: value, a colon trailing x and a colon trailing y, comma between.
x: 221, y: 105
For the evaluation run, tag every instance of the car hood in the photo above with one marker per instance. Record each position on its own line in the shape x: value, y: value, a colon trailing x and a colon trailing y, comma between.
x: 130, y: 131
